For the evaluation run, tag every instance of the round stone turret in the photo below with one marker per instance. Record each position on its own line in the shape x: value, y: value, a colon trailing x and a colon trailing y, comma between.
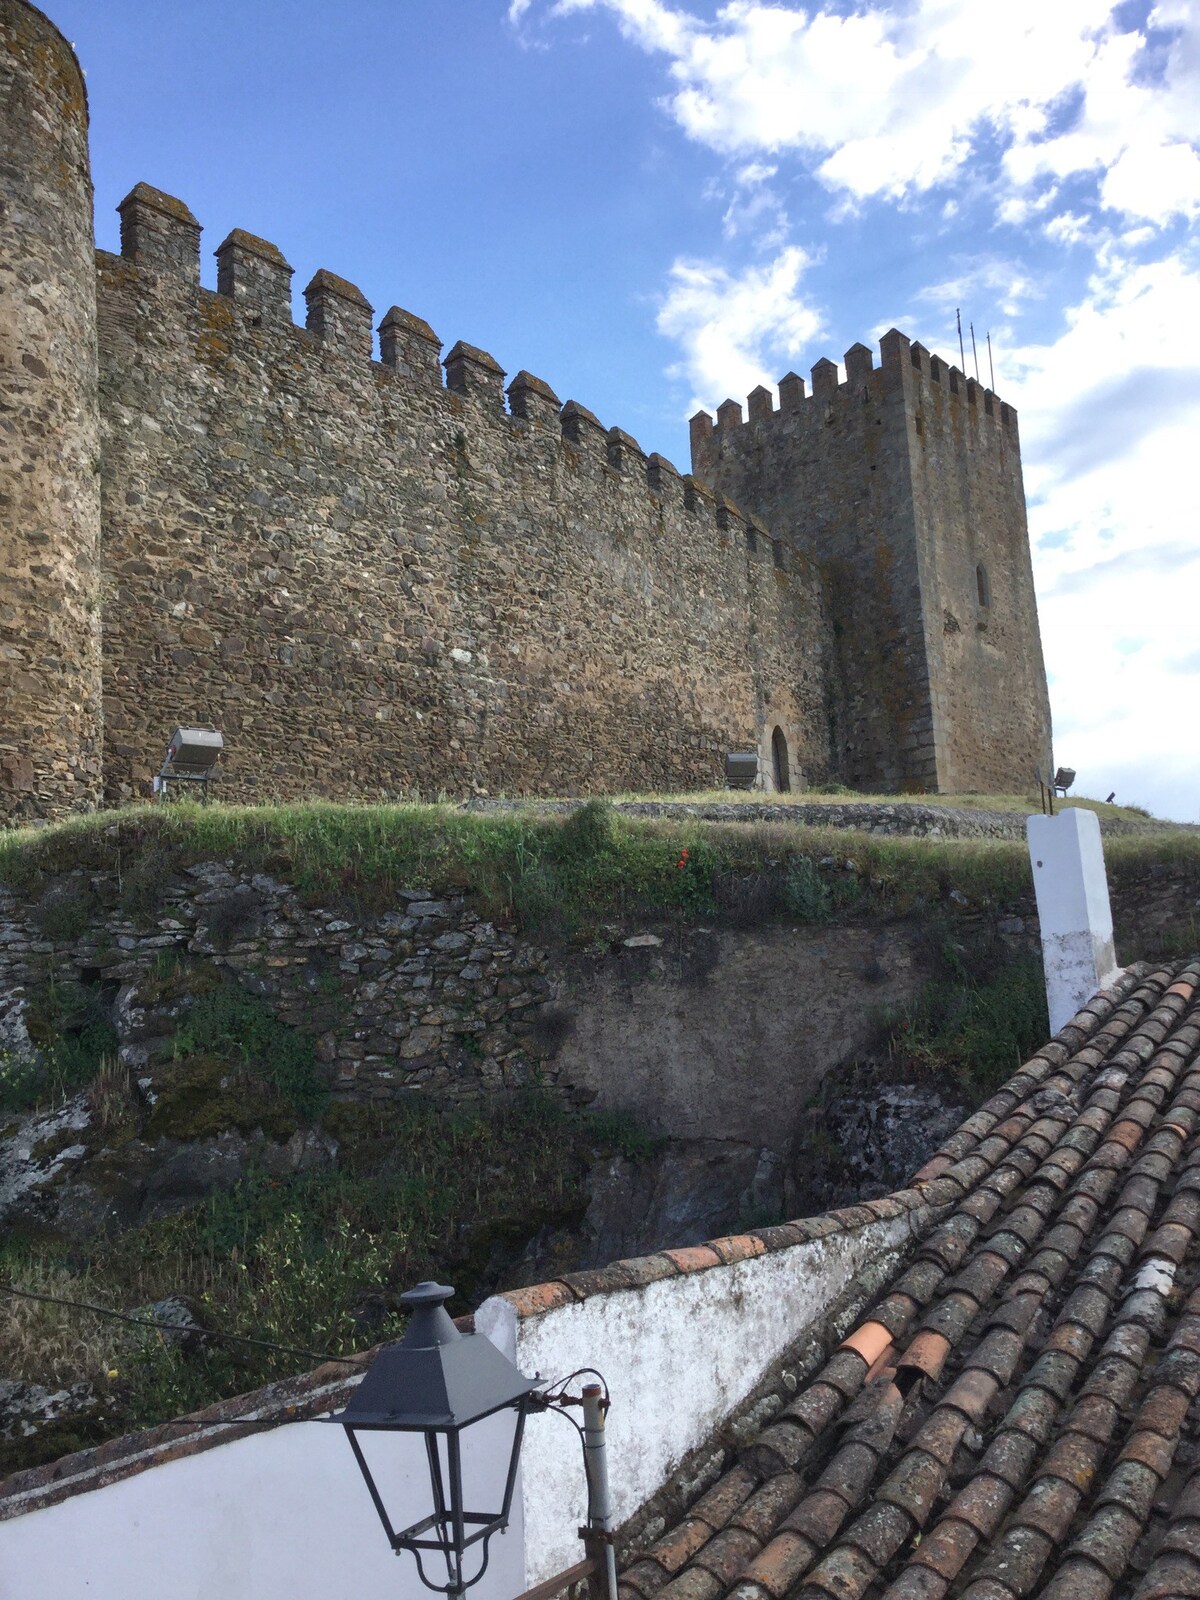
x: 50, y: 663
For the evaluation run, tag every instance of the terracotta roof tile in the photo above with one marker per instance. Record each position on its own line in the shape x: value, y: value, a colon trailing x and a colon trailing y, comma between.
x: 540, y: 1297
x: 1151, y: 1449
x: 738, y: 1247
x: 786, y: 1559
x: 942, y: 1434
x: 946, y: 1550
x: 1095, y: 1416
x: 676, y: 1547
x: 819, y: 1516
x: 1066, y: 1237
x: 727, y: 1554
x: 972, y: 1394
x: 982, y: 1504
x: 1009, y: 1457
x: 644, y: 1578
x: 869, y: 1340
x: 1132, y: 1485
x: 1075, y: 1457
x: 914, y: 1484
x: 926, y: 1352
x: 1078, y: 1579
x: 845, y: 1574
x: 693, y: 1259
x: 694, y: 1584
x: 917, y: 1583
x: 717, y: 1505
x: 880, y: 1531
x: 1108, y: 1539
x: 781, y: 1446
x: 761, y: 1513
x: 1171, y: 1577
x: 1034, y: 1411
x: 850, y: 1471
x: 1162, y: 1412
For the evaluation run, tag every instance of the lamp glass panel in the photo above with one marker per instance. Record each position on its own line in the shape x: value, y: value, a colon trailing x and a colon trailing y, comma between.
x: 400, y: 1467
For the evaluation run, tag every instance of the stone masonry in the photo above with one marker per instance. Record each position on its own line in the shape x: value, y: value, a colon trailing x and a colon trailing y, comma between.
x: 904, y: 484
x: 376, y: 582
x: 50, y: 699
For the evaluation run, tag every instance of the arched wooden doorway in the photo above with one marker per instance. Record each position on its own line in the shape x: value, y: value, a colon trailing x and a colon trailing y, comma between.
x: 779, y: 760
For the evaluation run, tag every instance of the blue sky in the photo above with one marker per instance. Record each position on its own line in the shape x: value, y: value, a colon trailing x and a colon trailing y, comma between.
x: 656, y: 203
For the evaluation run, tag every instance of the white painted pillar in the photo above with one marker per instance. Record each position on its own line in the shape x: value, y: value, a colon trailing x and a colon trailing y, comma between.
x: 1073, y: 908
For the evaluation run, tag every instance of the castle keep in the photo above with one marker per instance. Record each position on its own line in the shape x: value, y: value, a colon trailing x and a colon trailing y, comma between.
x: 374, y: 581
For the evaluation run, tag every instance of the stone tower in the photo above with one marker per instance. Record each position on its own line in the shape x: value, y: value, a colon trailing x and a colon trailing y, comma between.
x: 904, y: 484
x: 50, y: 659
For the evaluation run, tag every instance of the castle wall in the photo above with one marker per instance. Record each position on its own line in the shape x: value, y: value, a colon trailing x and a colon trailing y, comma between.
x: 374, y: 583
x: 50, y: 702
x: 991, y: 705
x: 829, y: 472
x: 904, y: 483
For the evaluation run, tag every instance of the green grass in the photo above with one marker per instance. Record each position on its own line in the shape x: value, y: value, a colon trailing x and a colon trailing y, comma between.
x: 974, y: 1029
x: 316, y: 1261
x: 555, y: 876
x: 836, y: 794
x: 73, y: 1034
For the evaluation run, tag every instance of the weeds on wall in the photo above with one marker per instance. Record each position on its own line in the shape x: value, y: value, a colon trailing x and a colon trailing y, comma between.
x: 317, y: 1260
x: 553, y: 876
x: 73, y: 1037
x: 971, y: 1029
x: 231, y: 1023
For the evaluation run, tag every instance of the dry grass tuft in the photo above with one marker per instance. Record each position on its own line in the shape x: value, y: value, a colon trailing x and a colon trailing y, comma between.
x: 53, y: 1344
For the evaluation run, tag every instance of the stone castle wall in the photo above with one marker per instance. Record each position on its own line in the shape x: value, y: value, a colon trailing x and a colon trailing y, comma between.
x: 373, y: 583
x: 991, y: 706
x: 377, y: 583
x: 49, y: 428
x: 903, y: 482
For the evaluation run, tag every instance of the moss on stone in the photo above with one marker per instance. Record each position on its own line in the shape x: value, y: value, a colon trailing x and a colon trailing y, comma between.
x: 200, y: 1096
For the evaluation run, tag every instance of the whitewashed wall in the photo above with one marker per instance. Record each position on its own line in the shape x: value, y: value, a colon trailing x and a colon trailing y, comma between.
x: 284, y: 1514
x: 1074, y: 914
x: 679, y: 1355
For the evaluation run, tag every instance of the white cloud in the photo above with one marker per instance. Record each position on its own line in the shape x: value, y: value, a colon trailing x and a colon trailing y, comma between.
x: 1109, y: 414
x: 736, y: 328
x: 1004, y: 284
x: 1079, y: 126
x: 890, y: 101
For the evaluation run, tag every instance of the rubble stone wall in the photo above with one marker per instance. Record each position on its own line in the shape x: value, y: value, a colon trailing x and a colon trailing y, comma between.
x: 374, y: 583
x: 50, y: 701
x: 903, y: 483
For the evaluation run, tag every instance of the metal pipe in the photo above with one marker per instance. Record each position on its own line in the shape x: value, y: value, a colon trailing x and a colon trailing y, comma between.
x: 595, y: 1460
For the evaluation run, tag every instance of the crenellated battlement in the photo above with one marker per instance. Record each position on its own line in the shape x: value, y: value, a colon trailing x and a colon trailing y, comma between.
x: 907, y: 368
x: 901, y: 478
x: 161, y: 236
x: 379, y: 563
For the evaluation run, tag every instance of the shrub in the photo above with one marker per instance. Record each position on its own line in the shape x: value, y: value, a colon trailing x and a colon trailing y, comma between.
x: 976, y: 1033
x: 145, y: 882
x: 231, y: 1023
x: 587, y: 833
x: 64, y: 912
x: 805, y: 895
x: 73, y: 1035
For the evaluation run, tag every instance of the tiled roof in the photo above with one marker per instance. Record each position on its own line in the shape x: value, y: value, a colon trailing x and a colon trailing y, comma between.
x: 1015, y: 1415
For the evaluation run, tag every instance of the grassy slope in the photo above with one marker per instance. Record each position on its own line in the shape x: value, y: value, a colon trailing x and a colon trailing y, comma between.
x: 315, y: 1261
x: 555, y: 875
x: 1021, y: 803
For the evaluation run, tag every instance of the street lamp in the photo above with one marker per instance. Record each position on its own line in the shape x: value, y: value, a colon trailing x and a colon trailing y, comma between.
x: 439, y: 1382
